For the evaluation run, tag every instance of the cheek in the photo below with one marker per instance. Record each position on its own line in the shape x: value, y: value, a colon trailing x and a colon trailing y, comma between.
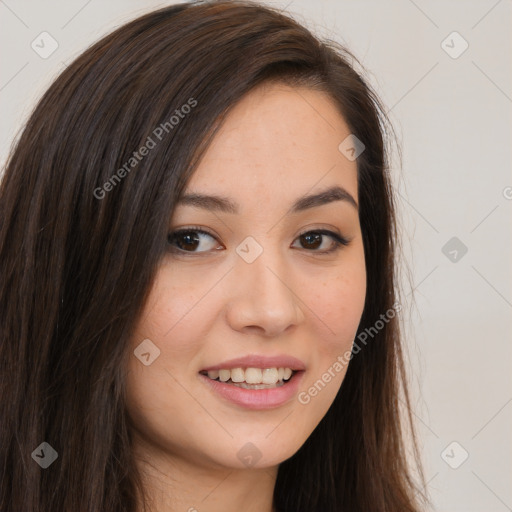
x: 338, y: 306
x: 336, y: 311
x: 157, y: 399
x: 171, y: 317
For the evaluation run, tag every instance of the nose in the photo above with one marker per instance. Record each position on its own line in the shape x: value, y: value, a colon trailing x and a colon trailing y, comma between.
x: 262, y: 298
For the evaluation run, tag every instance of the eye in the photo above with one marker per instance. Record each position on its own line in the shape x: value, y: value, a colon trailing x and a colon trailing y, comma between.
x: 312, y: 240
x: 188, y: 240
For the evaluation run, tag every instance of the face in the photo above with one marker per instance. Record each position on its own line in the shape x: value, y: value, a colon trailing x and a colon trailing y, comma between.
x: 263, y: 276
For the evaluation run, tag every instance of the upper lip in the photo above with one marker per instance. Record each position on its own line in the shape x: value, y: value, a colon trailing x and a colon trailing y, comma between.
x: 259, y: 361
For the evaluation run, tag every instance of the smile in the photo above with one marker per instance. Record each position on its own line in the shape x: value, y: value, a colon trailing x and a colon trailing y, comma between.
x: 252, y: 378
x: 254, y: 388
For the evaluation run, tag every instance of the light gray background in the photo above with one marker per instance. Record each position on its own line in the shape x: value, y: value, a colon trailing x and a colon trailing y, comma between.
x: 453, y: 116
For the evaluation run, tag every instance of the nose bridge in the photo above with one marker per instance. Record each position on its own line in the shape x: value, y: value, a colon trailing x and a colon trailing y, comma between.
x: 263, y: 295
x: 267, y: 274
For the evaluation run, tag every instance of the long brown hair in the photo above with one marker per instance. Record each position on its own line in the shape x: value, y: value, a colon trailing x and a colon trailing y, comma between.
x: 80, y: 242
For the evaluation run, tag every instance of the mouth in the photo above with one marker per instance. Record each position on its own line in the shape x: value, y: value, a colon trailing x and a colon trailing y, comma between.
x: 252, y: 378
x: 255, y: 381
x: 253, y: 388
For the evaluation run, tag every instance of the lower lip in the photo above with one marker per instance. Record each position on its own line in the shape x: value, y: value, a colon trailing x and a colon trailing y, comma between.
x: 258, y: 399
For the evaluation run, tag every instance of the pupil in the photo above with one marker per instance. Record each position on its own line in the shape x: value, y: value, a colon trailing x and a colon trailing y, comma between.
x: 187, y: 241
x: 316, y: 242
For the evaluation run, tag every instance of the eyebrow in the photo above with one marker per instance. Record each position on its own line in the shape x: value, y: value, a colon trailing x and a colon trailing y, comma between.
x: 224, y: 204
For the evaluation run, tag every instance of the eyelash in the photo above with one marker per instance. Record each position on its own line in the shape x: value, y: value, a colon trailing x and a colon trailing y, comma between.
x: 339, y: 241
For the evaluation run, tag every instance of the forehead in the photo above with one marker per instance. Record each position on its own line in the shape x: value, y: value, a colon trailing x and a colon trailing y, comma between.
x: 277, y: 138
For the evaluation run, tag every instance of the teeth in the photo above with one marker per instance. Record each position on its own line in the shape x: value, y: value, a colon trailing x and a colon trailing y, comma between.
x: 224, y: 375
x: 214, y: 374
x: 258, y: 386
x: 270, y: 376
x: 237, y: 375
x: 252, y: 376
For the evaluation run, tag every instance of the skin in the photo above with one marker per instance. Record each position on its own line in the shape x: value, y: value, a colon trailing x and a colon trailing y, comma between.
x: 277, y: 145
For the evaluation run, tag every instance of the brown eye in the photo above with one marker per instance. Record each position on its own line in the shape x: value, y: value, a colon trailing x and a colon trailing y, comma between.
x: 312, y: 240
x: 188, y: 240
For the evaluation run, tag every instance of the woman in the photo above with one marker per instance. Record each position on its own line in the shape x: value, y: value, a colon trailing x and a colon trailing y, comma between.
x: 197, y: 305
